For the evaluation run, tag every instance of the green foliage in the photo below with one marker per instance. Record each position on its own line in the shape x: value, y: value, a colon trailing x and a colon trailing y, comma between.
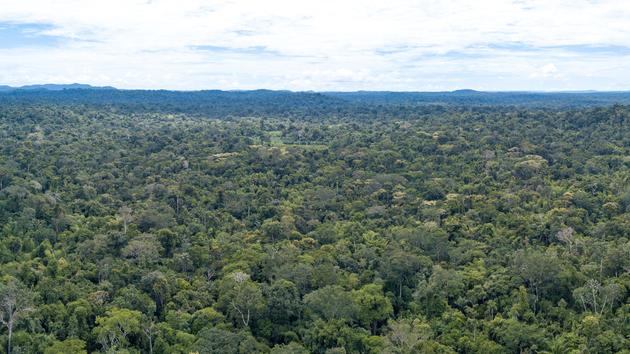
x: 214, y: 340
x: 68, y: 346
x: 371, y: 306
x: 114, y: 329
x: 329, y: 226
x: 331, y: 303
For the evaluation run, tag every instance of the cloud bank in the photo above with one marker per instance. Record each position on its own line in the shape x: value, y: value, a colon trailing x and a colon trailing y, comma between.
x: 318, y: 45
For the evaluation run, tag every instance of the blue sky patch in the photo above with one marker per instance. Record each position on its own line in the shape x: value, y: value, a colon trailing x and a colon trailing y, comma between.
x: 26, y: 35
x: 571, y: 48
x: 257, y: 50
x: 594, y: 49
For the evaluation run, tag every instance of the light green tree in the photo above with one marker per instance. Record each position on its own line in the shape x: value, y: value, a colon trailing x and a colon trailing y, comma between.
x: 113, y: 329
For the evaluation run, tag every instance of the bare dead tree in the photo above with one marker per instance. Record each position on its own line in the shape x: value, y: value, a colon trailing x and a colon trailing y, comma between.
x: 126, y: 216
x: 567, y: 236
x: 16, y: 302
x: 150, y: 331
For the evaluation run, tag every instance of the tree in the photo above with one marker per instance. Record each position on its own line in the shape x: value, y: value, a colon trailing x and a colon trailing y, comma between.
x: 242, y: 298
x: 399, y: 271
x: 150, y: 331
x: 113, y: 329
x: 331, y: 303
x: 68, y: 346
x: 144, y: 249
x: 291, y: 348
x: 405, y: 335
x: 206, y: 317
x: 157, y: 284
x: 16, y: 301
x: 326, y: 336
x: 134, y: 299
x: 274, y: 230
x: 443, y: 286
x: 214, y: 340
x: 125, y: 214
x: 538, y: 269
x: 284, y: 304
x: 371, y: 305
x: 5, y: 173
x: 567, y: 236
x: 597, y: 297
x: 518, y: 337
x: 156, y: 216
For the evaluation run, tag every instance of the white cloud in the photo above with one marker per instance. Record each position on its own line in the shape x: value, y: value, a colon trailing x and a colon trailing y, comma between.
x: 546, y: 71
x: 325, y: 44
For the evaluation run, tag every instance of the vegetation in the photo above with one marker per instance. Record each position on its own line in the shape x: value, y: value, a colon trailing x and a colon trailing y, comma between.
x: 385, y: 228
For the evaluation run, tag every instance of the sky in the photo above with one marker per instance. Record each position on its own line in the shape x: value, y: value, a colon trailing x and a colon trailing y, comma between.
x: 321, y: 45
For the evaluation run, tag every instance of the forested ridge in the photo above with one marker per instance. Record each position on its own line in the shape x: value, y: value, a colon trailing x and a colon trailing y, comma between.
x: 304, y: 105
x: 377, y: 228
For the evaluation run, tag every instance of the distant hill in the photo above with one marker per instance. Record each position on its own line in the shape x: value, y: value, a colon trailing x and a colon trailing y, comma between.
x: 472, y: 98
x: 359, y: 104
x: 55, y: 87
x: 211, y: 103
x: 464, y: 91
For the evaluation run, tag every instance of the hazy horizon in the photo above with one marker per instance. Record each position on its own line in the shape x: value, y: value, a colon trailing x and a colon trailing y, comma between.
x: 399, y: 45
x: 62, y: 86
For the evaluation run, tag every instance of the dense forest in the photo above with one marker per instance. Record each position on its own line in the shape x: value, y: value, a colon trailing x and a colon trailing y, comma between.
x: 311, y: 105
x: 272, y: 222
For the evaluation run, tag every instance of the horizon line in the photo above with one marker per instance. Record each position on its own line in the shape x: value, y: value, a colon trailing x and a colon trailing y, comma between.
x: 60, y: 87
